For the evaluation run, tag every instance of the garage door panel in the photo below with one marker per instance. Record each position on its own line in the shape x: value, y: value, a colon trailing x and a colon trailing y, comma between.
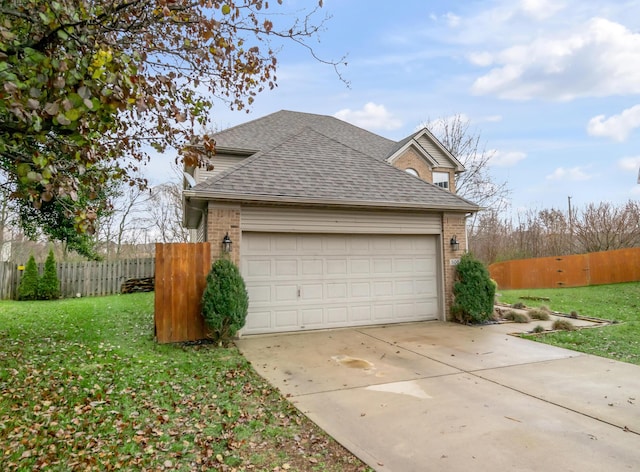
x: 312, y: 267
x: 313, y: 317
x: 360, y: 266
x: 336, y: 267
x: 361, y: 289
x: 382, y: 266
x: 286, y: 293
x: 383, y: 312
x: 360, y: 313
x: 286, y: 318
x: 337, y: 315
x: 311, y: 291
x: 258, y: 321
x: 382, y: 288
x: 259, y: 293
x: 404, y: 287
x: 258, y: 268
x: 313, y: 281
x: 336, y: 291
x: 286, y: 268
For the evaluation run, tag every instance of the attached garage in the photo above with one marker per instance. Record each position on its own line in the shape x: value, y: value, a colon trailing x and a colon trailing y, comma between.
x: 327, y: 228
x: 315, y: 281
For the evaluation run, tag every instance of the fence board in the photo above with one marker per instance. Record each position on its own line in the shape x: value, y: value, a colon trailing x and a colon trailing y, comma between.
x: 595, y: 268
x: 180, y: 275
x: 84, y: 278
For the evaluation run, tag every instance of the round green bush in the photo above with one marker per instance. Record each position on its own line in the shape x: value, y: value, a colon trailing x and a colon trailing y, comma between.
x: 473, y: 290
x: 225, y: 301
x: 28, y: 288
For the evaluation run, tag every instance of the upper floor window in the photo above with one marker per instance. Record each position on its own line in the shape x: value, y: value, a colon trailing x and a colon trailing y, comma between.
x: 441, y: 179
x: 412, y: 172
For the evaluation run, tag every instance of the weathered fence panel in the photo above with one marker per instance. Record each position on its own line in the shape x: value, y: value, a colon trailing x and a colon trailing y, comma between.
x: 82, y: 278
x: 180, y: 277
x: 596, y: 268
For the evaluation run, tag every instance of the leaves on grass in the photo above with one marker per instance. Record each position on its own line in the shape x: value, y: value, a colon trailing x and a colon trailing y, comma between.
x: 85, y: 388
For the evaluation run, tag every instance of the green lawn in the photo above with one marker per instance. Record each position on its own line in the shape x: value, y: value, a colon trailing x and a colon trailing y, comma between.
x: 84, y: 387
x: 618, y: 302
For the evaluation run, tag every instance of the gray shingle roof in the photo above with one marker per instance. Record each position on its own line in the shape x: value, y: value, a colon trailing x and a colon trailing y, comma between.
x: 309, y: 166
x: 269, y: 131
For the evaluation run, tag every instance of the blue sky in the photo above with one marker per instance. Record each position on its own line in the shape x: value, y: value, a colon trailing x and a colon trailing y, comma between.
x: 552, y: 86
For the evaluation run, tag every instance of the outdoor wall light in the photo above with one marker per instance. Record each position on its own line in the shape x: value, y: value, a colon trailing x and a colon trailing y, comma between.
x: 226, y: 243
x: 455, y: 245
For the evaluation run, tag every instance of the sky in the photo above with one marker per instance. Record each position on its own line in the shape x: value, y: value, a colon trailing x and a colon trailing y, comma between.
x: 551, y: 86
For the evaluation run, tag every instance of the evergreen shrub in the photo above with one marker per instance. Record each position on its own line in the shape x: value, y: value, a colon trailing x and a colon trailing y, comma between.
x: 225, y: 301
x: 28, y: 288
x: 473, y: 290
x: 49, y: 287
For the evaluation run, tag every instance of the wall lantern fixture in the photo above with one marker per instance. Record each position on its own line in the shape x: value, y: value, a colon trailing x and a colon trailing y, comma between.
x: 226, y: 243
x: 455, y: 245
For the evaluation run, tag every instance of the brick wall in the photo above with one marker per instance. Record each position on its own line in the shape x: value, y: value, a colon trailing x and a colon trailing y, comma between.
x: 453, y: 224
x: 411, y: 160
x: 223, y: 219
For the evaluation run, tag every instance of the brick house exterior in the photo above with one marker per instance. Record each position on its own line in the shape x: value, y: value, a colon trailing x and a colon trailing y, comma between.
x: 332, y: 225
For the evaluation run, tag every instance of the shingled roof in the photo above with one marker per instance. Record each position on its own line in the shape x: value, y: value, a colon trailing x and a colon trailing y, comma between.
x: 325, y: 162
x: 270, y: 131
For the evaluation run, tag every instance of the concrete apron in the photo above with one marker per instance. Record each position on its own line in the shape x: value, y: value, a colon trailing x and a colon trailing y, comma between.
x: 445, y: 397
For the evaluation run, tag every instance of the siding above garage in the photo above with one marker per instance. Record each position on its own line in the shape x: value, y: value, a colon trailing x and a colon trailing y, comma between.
x: 307, y: 220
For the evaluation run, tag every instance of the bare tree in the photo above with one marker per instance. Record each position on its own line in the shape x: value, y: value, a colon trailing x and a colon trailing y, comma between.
x: 164, y: 213
x: 604, y: 227
x: 476, y: 183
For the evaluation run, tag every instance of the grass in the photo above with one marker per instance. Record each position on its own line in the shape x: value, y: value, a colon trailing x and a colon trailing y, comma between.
x: 618, y: 302
x: 83, y: 386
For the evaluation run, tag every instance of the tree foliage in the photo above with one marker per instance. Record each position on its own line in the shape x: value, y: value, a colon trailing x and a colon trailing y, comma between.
x: 28, y: 288
x: 89, y: 87
x: 225, y: 300
x: 474, y: 291
x: 49, y: 284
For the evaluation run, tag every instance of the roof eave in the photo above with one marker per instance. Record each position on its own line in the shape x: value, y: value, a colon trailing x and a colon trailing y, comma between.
x: 284, y: 199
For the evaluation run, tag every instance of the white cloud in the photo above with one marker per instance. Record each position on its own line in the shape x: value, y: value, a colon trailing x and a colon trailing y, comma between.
x: 599, y: 58
x: 616, y: 127
x: 574, y: 174
x: 506, y: 159
x: 540, y: 9
x: 372, y: 116
x: 629, y: 163
x: 452, y: 20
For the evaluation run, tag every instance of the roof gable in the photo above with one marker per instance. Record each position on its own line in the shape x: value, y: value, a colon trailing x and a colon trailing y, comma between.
x: 429, y: 147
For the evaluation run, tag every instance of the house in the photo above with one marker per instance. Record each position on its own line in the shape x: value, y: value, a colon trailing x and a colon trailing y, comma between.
x: 331, y: 225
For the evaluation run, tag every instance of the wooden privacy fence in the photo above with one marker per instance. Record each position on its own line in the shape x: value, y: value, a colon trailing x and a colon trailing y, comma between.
x: 181, y: 276
x: 595, y: 268
x: 84, y: 278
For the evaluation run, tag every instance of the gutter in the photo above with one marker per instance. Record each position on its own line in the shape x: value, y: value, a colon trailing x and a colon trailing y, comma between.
x: 205, y: 196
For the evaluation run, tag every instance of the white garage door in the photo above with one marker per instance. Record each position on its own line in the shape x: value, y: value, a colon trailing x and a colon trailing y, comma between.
x: 314, y: 281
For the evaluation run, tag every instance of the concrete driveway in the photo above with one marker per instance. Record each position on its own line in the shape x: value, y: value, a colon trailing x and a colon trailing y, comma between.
x: 446, y: 397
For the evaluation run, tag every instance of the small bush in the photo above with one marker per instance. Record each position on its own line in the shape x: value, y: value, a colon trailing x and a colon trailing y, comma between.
x: 516, y: 317
x: 28, y: 288
x: 564, y: 325
x: 518, y: 306
x: 538, y: 314
x: 225, y: 301
x: 474, y: 293
x: 538, y: 329
x: 49, y: 286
